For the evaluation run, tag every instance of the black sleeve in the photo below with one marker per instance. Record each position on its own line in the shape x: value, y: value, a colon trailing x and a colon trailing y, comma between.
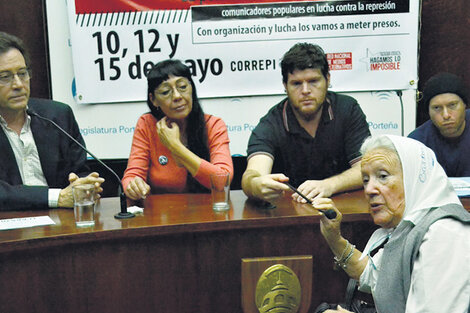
x: 356, y: 131
x: 21, y: 197
x: 264, y: 138
x: 59, y: 154
x: 417, y: 134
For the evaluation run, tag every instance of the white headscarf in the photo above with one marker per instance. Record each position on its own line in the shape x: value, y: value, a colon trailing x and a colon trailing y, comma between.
x: 426, y: 186
x: 425, y: 183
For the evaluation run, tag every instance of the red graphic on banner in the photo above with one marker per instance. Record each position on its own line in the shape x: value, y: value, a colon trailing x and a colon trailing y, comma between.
x: 340, y: 61
x: 110, y: 6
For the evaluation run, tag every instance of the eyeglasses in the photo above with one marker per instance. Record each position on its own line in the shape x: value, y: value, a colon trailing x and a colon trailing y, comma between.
x: 7, y: 78
x: 167, y: 91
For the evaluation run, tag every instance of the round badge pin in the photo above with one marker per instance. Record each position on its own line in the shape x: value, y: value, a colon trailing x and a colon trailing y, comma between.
x: 163, y: 160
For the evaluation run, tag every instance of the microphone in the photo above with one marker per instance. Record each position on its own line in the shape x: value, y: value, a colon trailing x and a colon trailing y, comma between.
x: 122, y: 196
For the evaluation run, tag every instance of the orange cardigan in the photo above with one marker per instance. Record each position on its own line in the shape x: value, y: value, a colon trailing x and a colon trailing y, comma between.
x: 170, y: 178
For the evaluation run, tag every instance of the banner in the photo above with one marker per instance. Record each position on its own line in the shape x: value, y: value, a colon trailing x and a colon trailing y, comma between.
x: 93, y: 6
x: 234, y: 47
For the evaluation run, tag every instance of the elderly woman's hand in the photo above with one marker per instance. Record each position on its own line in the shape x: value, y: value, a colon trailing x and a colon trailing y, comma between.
x: 169, y: 134
x: 330, y: 228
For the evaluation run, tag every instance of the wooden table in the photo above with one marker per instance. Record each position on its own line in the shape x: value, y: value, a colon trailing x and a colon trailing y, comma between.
x: 179, y: 256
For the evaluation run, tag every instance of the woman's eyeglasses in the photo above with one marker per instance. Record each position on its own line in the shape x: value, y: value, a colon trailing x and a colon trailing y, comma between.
x: 168, y: 91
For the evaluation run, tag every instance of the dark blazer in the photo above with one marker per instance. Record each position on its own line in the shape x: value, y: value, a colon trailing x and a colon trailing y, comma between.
x: 59, y: 157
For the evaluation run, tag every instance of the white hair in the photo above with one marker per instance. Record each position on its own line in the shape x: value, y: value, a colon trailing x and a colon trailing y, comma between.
x: 377, y: 142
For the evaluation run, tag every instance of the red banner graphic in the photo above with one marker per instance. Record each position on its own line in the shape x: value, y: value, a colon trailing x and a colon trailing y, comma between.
x: 111, y: 6
x: 340, y: 61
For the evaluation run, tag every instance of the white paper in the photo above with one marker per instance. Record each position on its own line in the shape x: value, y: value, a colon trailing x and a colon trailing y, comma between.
x: 135, y: 209
x: 23, y: 222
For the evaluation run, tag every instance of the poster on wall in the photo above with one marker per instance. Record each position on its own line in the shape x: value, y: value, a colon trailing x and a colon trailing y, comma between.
x: 233, y: 47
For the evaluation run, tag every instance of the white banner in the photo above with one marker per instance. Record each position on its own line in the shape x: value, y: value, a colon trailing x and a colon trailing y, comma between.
x: 234, y: 50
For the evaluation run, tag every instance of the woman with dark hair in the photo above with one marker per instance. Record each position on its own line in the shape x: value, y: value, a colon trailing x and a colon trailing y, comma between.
x: 175, y: 146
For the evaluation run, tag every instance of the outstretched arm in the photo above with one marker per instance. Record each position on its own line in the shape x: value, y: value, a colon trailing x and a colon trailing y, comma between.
x: 258, y: 182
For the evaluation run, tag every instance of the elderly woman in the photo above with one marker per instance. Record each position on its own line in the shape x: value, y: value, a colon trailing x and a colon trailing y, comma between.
x: 175, y: 146
x: 419, y: 260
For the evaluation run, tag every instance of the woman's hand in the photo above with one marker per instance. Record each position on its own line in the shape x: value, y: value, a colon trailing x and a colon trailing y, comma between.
x: 169, y: 133
x: 137, y: 189
x: 330, y: 229
x: 345, y: 253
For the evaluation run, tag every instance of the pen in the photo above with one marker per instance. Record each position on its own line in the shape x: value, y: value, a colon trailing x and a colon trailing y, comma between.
x: 330, y: 213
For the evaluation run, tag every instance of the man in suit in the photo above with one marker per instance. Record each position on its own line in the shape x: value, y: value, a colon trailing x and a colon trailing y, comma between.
x: 38, y: 163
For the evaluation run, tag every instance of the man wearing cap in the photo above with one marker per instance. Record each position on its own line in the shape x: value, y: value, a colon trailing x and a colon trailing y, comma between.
x: 447, y: 133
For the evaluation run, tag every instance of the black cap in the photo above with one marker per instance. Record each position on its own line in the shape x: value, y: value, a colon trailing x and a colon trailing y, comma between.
x: 444, y: 83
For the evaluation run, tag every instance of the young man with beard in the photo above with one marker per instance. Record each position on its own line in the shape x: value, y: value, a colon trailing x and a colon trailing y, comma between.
x: 311, y: 139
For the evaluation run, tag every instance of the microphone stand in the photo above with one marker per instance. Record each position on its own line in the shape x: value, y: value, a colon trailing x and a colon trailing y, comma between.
x: 399, y: 94
x: 122, y: 196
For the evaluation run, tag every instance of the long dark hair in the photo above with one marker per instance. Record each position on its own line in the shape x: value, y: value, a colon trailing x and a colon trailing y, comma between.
x: 195, y: 122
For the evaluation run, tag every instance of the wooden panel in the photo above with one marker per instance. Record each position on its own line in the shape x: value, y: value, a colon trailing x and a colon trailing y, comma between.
x: 444, y: 43
x: 179, y: 256
x: 27, y: 20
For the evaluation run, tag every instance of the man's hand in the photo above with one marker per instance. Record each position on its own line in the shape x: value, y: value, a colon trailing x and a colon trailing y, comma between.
x: 314, y: 189
x: 258, y: 182
x: 269, y: 187
x: 137, y: 189
x: 66, y: 196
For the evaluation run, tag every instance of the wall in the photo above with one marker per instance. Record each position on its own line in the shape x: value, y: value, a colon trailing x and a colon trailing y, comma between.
x: 27, y: 20
x: 445, y: 40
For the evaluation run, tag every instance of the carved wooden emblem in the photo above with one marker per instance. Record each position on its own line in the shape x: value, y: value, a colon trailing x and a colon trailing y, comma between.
x: 278, y: 290
x: 277, y: 284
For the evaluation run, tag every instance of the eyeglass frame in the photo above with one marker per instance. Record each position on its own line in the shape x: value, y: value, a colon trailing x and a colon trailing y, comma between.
x: 187, y: 88
x: 7, y: 79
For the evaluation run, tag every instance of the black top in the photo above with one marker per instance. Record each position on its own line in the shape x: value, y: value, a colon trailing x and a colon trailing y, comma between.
x: 58, y: 155
x: 453, y: 154
x: 341, y: 131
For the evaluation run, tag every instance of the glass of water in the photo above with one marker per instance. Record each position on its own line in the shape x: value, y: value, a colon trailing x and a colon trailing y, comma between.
x: 220, y: 190
x: 84, y: 205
